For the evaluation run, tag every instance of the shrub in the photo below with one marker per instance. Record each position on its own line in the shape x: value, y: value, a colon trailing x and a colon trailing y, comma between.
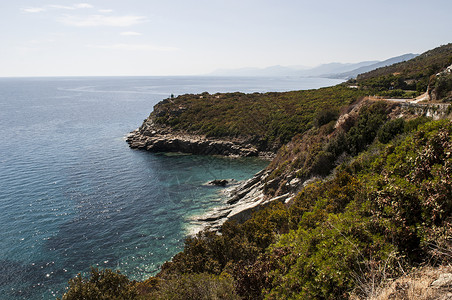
x: 443, y: 86
x: 390, y: 129
x: 390, y: 202
x: 325, y: 116
x: 105, y: 284
x: 363, y: 133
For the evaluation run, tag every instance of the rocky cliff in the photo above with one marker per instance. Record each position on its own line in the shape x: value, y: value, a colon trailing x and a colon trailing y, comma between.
x: 158, y: 138
x: 240, y: 201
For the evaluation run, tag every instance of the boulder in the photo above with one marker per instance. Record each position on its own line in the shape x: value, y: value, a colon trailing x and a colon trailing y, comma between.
x: 219, y: 182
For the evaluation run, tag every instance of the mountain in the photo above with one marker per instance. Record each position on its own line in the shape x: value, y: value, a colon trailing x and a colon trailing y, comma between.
x: 330, y: 70
x: 366, y: 68
x: 417, y: 75
x: 334, y: 68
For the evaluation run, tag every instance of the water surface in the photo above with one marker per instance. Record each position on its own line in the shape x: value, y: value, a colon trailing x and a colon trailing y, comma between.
x: 73, y: 195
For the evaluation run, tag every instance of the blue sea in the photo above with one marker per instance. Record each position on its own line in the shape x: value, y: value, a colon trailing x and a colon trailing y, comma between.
x: 74, y: 195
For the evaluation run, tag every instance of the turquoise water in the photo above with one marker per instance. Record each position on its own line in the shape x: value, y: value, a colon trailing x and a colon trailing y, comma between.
x: 73, y: 195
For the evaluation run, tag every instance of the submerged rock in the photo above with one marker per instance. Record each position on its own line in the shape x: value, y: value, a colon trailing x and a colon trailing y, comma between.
x: 219, y: 182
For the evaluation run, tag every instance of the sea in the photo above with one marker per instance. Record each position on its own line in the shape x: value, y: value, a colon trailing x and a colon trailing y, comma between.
x: 73, y: 195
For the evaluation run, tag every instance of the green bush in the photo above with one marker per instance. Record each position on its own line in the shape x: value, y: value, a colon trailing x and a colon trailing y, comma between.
x: 325, y: 116
x: 390, y: 129
x: 368, y: 123
x: 388, y: 202
x: 105, y: 284
x: 443, y: 86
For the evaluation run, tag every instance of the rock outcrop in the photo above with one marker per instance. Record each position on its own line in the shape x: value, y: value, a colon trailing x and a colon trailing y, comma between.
x: 240, y: 201
x: 158, y: 138
x: 220, y: 182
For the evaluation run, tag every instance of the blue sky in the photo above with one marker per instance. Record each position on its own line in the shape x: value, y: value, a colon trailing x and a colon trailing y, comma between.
x: 184, y: 37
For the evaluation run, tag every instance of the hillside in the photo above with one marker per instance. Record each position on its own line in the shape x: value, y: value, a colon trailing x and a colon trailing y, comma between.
x: 259, y: 124
x: 358, y: 194
x: 367, y: 68
x: 418, y: 74
x: 420, y: 67
x: 262, y: 122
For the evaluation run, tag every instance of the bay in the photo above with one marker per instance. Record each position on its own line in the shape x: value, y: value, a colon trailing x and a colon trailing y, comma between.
x: 73, y: 195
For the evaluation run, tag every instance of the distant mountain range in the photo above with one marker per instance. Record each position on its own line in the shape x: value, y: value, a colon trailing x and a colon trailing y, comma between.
x: 331, y: 70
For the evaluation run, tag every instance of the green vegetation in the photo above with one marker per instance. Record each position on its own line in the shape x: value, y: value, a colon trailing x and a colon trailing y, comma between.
x: 380, y: 201
x: 414, y: 75
x: 202, y: 286
x: 319, y: 150
x: 104, y: 284
x: 388, y: 207
x: 443, y: 86
x: 268, y: 120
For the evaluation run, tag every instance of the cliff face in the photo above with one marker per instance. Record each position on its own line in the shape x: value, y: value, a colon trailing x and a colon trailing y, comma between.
x: 305, y: 159
x: 157, y: 138
x: 242, y: 200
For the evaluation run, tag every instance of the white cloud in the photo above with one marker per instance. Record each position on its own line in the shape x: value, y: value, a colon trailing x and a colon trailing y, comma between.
x: 72, y: 7
x: 105, y: 11
x: 56, y: 6
x: 100, y: 20
x: 83, y: 5
x: 134, y: 47
x: 61, y: 7
x: 33, y: 9
x: 130, y: 33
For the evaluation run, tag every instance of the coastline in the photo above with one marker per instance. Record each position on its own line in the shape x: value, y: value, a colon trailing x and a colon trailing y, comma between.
x: 352, y: 220
x: 154, y: 138
x: 239, y: 201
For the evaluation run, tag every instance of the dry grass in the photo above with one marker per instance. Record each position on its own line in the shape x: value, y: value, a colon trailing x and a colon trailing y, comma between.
x: 416, y: 285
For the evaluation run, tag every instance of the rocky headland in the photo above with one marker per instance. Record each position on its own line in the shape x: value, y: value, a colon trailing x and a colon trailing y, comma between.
x: 158, y: 138
x: 241, y: 199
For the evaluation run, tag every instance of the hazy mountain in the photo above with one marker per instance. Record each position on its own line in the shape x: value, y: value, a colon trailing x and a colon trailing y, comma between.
x: 269, y: 71
x: 367, y: 68
x: 334, y: 68
x: 331, y: 70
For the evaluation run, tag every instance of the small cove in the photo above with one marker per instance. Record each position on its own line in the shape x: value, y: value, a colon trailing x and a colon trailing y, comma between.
x: 74, y: 195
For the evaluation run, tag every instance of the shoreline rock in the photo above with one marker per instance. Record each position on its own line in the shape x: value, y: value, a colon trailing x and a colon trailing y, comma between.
x: 240, y: 201
x: 154, y: 138
x: 220, y: 182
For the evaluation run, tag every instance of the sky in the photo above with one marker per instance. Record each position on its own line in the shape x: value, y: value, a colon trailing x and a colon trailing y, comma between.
x: 194, y: 37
